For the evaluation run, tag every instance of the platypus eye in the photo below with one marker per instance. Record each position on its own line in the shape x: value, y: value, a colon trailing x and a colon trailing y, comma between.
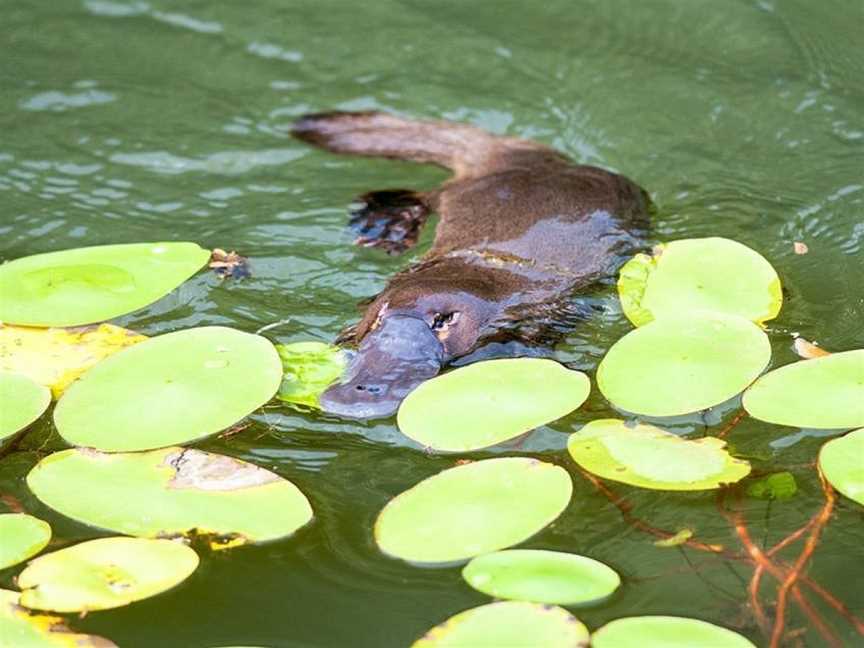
x: 443, y: 320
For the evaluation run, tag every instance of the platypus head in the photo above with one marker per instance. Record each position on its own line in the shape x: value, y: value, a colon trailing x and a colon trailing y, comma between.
x: 425, y: 318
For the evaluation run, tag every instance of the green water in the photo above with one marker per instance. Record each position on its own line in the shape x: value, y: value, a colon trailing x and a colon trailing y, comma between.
x: 141, y: 121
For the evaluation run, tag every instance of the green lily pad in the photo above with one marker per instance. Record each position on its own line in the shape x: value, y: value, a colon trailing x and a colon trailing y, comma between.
x: 22, y: 401
x: 309, y: 368
x: 23, y: 536
x: 648, y: 457
x: 823, y: 393
x: 513, y: 624
x: 104, y: 573
x: 842, y: 462
x: 708, y: 274
x: 541, y: 576
x: 93, y: 284
x: 489, y: 402
x: 20, y: 628
x: 170, y: 491
x: 174, y: 388
x: 473, y: 509
x: 678, y: 366
x: 665, y: 632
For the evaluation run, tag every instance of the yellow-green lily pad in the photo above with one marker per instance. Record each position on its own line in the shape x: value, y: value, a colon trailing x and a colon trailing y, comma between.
x: 473, y: 509
x: 692, y: 275
x: 23, y: 536
x: 22, y: 401
x: 21, y: 628
x: 55, y: 357
x: 677, y: 366
x: 174, y: 388
x: 489, y: 402
x: 171, y: 491
x: 842, y: 462
x: 823, y: 393
x: 646, y: 456
x: 93, y: 284
x: 665, y: 632
x: 510, y: 624
x: 541, y: 576
x: 104, y: 573
x: 309, y: 368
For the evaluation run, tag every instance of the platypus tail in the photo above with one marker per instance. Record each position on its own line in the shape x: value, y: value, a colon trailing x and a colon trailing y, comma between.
x: 462, y: 148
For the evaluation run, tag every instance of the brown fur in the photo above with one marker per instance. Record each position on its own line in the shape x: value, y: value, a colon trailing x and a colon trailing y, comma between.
x: 522, y: 228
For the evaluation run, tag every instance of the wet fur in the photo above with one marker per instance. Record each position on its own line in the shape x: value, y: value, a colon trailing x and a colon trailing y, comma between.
x: 522, y: 228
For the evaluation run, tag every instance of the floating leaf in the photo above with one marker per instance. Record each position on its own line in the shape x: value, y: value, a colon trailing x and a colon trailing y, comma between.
x: 22, y: 401
x: 779, y: 486
x: 648, y: 457
x: 541, y: 576
x: 842, y: 462
x: 665, y: 632
x: 19, y: 628
x: 104, y: 573
x: 92, y: 284
x: 672, y: 366
x: 55, y: 357
x: 229, y: 265
x: 513, y: 624
x: 808, y: 350
x: 823, y: 393
x: 309, y: 368
x: 489, y: 402
x: 174, y: 388
x: 473, y: 509
x: 692, y: 275
x: 170, y: 491
x: 680, y: 538
x: 23, y: 536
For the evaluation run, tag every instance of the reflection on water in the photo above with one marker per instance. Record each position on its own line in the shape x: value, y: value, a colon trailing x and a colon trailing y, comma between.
x: 127, y: 121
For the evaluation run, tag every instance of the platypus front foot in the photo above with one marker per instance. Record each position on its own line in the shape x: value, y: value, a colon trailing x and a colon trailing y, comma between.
x: 390, y: 220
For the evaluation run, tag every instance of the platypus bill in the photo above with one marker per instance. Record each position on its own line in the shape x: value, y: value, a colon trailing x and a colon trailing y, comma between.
x: 522, y: 232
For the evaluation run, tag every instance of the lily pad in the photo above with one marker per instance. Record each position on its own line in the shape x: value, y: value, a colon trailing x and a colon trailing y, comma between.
x: 104, y: 573
x: 665, y: 632
x: 92, y: 284
x: 170, y: 491
x: 55, y: 357
x: 678, y: 366
x: 513, y: 624
x: 489, y: 402
x: 309, y: 368
x: 22, y: 401
x: 842, y: 462
x: 174, y: 388
x: 20, y: 628
x: 823, y: 393
x: 473, y: 509
x: 692, y: 275
x: 541, y: 577
x: 648, y: 457
x: 23, y: 536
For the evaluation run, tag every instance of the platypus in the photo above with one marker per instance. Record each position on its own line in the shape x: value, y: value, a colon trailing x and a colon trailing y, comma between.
x: 523, y: 231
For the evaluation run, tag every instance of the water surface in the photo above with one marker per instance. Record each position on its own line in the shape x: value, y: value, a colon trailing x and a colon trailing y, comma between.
x: 139, y: 121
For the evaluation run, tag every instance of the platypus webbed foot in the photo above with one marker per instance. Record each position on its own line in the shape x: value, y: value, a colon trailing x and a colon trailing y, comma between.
x: 390, y: 220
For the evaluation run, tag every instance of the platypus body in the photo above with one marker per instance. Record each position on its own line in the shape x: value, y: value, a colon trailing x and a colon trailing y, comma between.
x: 523, y: 231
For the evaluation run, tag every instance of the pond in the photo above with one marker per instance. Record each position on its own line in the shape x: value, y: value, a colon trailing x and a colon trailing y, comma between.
x: 127, y: 121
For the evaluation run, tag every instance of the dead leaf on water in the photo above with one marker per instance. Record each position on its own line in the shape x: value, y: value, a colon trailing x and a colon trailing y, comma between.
x: 808, y: 350
x: 800, y: 248
x: 55, y: 357
x: 229, y: 265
